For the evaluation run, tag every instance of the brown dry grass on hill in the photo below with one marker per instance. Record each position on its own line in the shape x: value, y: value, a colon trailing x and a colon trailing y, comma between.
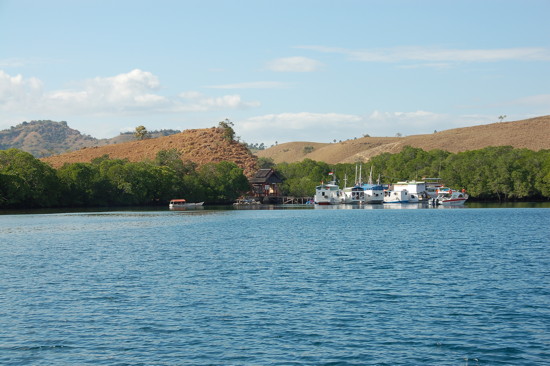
x: 200, y: 146
x: 533, y: 134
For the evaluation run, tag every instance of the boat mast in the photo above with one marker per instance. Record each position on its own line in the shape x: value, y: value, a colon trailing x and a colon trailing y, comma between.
x: 370, y: 176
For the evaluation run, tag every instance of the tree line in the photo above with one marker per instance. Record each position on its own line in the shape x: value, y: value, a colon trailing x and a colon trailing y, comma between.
x: 28, y: 182
x: 493, y: 173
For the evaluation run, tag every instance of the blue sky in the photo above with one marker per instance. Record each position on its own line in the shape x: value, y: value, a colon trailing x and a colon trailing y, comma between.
x: 279, y: 70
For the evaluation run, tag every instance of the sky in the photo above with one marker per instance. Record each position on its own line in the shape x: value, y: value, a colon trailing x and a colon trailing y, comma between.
x: 279, y: 70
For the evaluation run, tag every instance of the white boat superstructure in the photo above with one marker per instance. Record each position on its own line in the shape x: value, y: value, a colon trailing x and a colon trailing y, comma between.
x: 374, y: 193
x: 401, y: 196
x: 449, y: 197
x: 328, y: 194
x: 181, y: 203
x: 432, y: 186
x: 354, y: 195
x: 415, y: 189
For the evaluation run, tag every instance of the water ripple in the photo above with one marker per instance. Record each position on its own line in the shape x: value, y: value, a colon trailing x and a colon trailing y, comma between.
x: 287, y: 287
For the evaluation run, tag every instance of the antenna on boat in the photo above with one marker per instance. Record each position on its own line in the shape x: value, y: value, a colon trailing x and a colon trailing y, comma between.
x: 360, y: 177
x: 356, y: 181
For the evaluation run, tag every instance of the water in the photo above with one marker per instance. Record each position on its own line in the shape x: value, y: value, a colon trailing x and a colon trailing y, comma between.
x: 276, y: 287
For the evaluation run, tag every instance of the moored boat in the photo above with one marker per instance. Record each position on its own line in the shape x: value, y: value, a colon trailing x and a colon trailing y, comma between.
x: 449, y: 197
x: 329, y: 193
x: 180, y: 203
x: 354, y: 195
x: 415, y: 190
x: 374, y: 193
x: 401, y: 196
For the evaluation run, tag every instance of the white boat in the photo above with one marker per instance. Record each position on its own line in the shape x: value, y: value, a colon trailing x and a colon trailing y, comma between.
x: 328, y: 194
x: 354, y: 195
x: 391, y: 196
x: 432, y: 187
x: 374, y: 193
x: 449, y: 197
x: 416, y: 190
x: 181, y: 203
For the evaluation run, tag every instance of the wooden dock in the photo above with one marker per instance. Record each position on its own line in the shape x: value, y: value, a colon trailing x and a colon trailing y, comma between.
x: 285, y: 200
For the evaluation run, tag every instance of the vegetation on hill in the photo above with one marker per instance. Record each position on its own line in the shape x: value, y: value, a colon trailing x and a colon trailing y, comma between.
x: 27, y: 182
x: 201, y: 146
x: 45, y: 138
x: 530, y: 134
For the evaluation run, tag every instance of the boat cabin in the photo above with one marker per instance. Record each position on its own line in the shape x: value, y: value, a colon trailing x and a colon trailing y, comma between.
x: 177, y: 203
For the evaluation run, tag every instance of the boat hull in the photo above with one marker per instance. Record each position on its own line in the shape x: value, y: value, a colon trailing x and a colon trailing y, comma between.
x: 456, y: 202
x: 185, y: 206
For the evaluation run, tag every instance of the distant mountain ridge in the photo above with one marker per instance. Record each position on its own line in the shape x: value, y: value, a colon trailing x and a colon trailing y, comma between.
x: 45, y: 138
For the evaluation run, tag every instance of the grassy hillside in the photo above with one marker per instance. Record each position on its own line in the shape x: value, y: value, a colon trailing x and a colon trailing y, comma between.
x: 533, y: 134
x: 200, y: 146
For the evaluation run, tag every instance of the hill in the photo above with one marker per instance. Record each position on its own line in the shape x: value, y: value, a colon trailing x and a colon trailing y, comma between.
x: 42, y: 138
x: 533, y: 134
x: 200, y: 146
x: 45, y: 138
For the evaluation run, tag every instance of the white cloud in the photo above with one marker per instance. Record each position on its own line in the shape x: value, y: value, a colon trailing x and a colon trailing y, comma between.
x: 17, y: 92
x: 327, y: 127
x: 542, y: 100
x: 251, y: 85
x: 134, y: 92
x: 197, y: 102
x: 438, y: 55
x: 304, y: 126
x: 300, y: 121
x: 12, y: 62
x: 294, y: 64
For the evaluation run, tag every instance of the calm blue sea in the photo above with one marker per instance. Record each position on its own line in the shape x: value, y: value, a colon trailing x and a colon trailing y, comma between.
x: 466, y: 286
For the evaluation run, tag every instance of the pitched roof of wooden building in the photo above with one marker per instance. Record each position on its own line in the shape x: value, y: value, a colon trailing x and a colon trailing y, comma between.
x: 266, y: 176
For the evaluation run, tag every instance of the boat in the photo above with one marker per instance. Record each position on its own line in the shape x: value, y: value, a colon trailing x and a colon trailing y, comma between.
x: 416, y: 190
x: 329, y: 193
x: 449, y: 197
x: 401, y: 196
x: 180, y: 203
x: 374, y: 193
x: 354, y: 195
x: 432, y: 187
